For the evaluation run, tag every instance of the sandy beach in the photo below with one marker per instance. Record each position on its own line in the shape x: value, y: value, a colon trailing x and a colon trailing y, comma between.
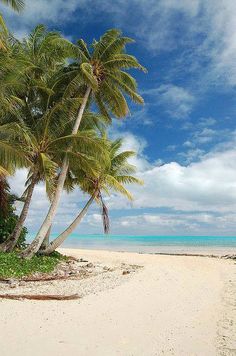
x: 173, y: 305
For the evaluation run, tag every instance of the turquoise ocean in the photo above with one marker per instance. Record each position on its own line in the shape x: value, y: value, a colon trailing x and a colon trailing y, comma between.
x: 152, y: 244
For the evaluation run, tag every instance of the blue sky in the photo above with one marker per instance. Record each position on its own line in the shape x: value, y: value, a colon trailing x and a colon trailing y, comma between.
x: 184, y: 134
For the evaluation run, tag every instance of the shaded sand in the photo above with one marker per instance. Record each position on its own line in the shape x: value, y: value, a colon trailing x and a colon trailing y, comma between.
x: 174, y: 305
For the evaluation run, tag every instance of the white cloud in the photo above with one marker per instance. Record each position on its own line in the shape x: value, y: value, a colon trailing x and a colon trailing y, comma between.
x: 206, y: 185
x: 171, y: 148
x: 204, y: 192
x: 203, y: 133
x: 178, y: 224
x: 206, y: 122
x: 38, y: 11
x: 177, y: 101
x: 191, y: 155
x: 188, y: 144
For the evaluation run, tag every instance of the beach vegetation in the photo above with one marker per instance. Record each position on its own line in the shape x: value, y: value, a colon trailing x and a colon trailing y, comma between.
x: 8, y: 216
x: 13, y: 267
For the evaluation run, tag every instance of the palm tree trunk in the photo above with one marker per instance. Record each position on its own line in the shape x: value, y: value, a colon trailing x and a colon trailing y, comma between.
x: 61, y: 238
x: 36, y: 243
x: 46, y: 240
x: 10, y: 244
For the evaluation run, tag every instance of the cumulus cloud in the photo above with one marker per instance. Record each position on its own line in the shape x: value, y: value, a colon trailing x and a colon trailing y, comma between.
x: 206, y: 185
x: 204, y: 192
x: 178, y: 224
x: 178, y: 102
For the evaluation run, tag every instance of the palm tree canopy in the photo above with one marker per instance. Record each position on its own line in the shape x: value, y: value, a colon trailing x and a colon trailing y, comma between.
x: 103, y: 67
x: 41, y: 66
x: 35, y: 116
x: 42, y: 148
x: 30, y: 70
x: 115, y: 173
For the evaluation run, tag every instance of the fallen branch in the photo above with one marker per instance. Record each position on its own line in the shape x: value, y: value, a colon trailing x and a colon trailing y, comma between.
x: 183, y: 254
x: 39, y: 296
x: 231, y: 257
x: 40, y: 279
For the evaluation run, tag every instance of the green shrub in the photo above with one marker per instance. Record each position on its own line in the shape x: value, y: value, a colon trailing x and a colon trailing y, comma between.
x: 11, y: 266
x: 8, y: 217
x: 7, y: 225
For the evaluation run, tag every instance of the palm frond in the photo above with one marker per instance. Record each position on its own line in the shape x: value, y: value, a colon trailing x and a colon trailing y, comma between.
x: 84, y: 52
x: 87, y: 71
x: 17, y: 5
x: 4, y: 31
x: 115, y: 185
x: 126, y: 88
x: 104, y: 41
x: 116, y: 45
x: 124, y: 61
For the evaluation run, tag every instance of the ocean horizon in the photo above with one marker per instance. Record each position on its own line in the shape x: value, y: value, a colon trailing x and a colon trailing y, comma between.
x: 151, y: 243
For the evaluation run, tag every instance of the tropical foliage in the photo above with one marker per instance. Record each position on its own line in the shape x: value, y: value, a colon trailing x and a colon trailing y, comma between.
x: 57, y: 98
x: 8, y: 217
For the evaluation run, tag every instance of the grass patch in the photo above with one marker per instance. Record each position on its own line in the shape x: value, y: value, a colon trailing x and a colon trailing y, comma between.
x: 11, y: 266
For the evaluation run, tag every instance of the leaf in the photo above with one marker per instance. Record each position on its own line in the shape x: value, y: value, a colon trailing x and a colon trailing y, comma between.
x: 87, y: 71
x: 17, y: 5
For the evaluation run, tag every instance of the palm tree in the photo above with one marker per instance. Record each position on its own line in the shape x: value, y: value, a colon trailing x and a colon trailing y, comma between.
x: 44, y: 146
x: 41, y: 115
x: 102, y: 78
x: 30, y: 107
x: 34, y: 65
x: 113, y: 176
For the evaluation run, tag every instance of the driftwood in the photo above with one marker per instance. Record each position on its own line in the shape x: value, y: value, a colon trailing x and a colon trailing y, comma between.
x: 40, y: 279
x: 185, y: 254
x: 231, y: 257
x: 39, y: 296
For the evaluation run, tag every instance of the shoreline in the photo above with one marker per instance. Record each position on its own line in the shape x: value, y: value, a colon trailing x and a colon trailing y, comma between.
x: 154, y: 244
x: 173, y: 305
x: 220, y: 252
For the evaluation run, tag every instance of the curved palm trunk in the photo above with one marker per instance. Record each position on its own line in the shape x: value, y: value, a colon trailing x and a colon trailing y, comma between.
x: 45, y: 242
x: 35, y: 245
x: 10, y: 244
x: 62, y: 237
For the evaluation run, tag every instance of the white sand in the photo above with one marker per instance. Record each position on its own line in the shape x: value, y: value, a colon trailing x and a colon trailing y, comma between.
x: 175, y: 305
